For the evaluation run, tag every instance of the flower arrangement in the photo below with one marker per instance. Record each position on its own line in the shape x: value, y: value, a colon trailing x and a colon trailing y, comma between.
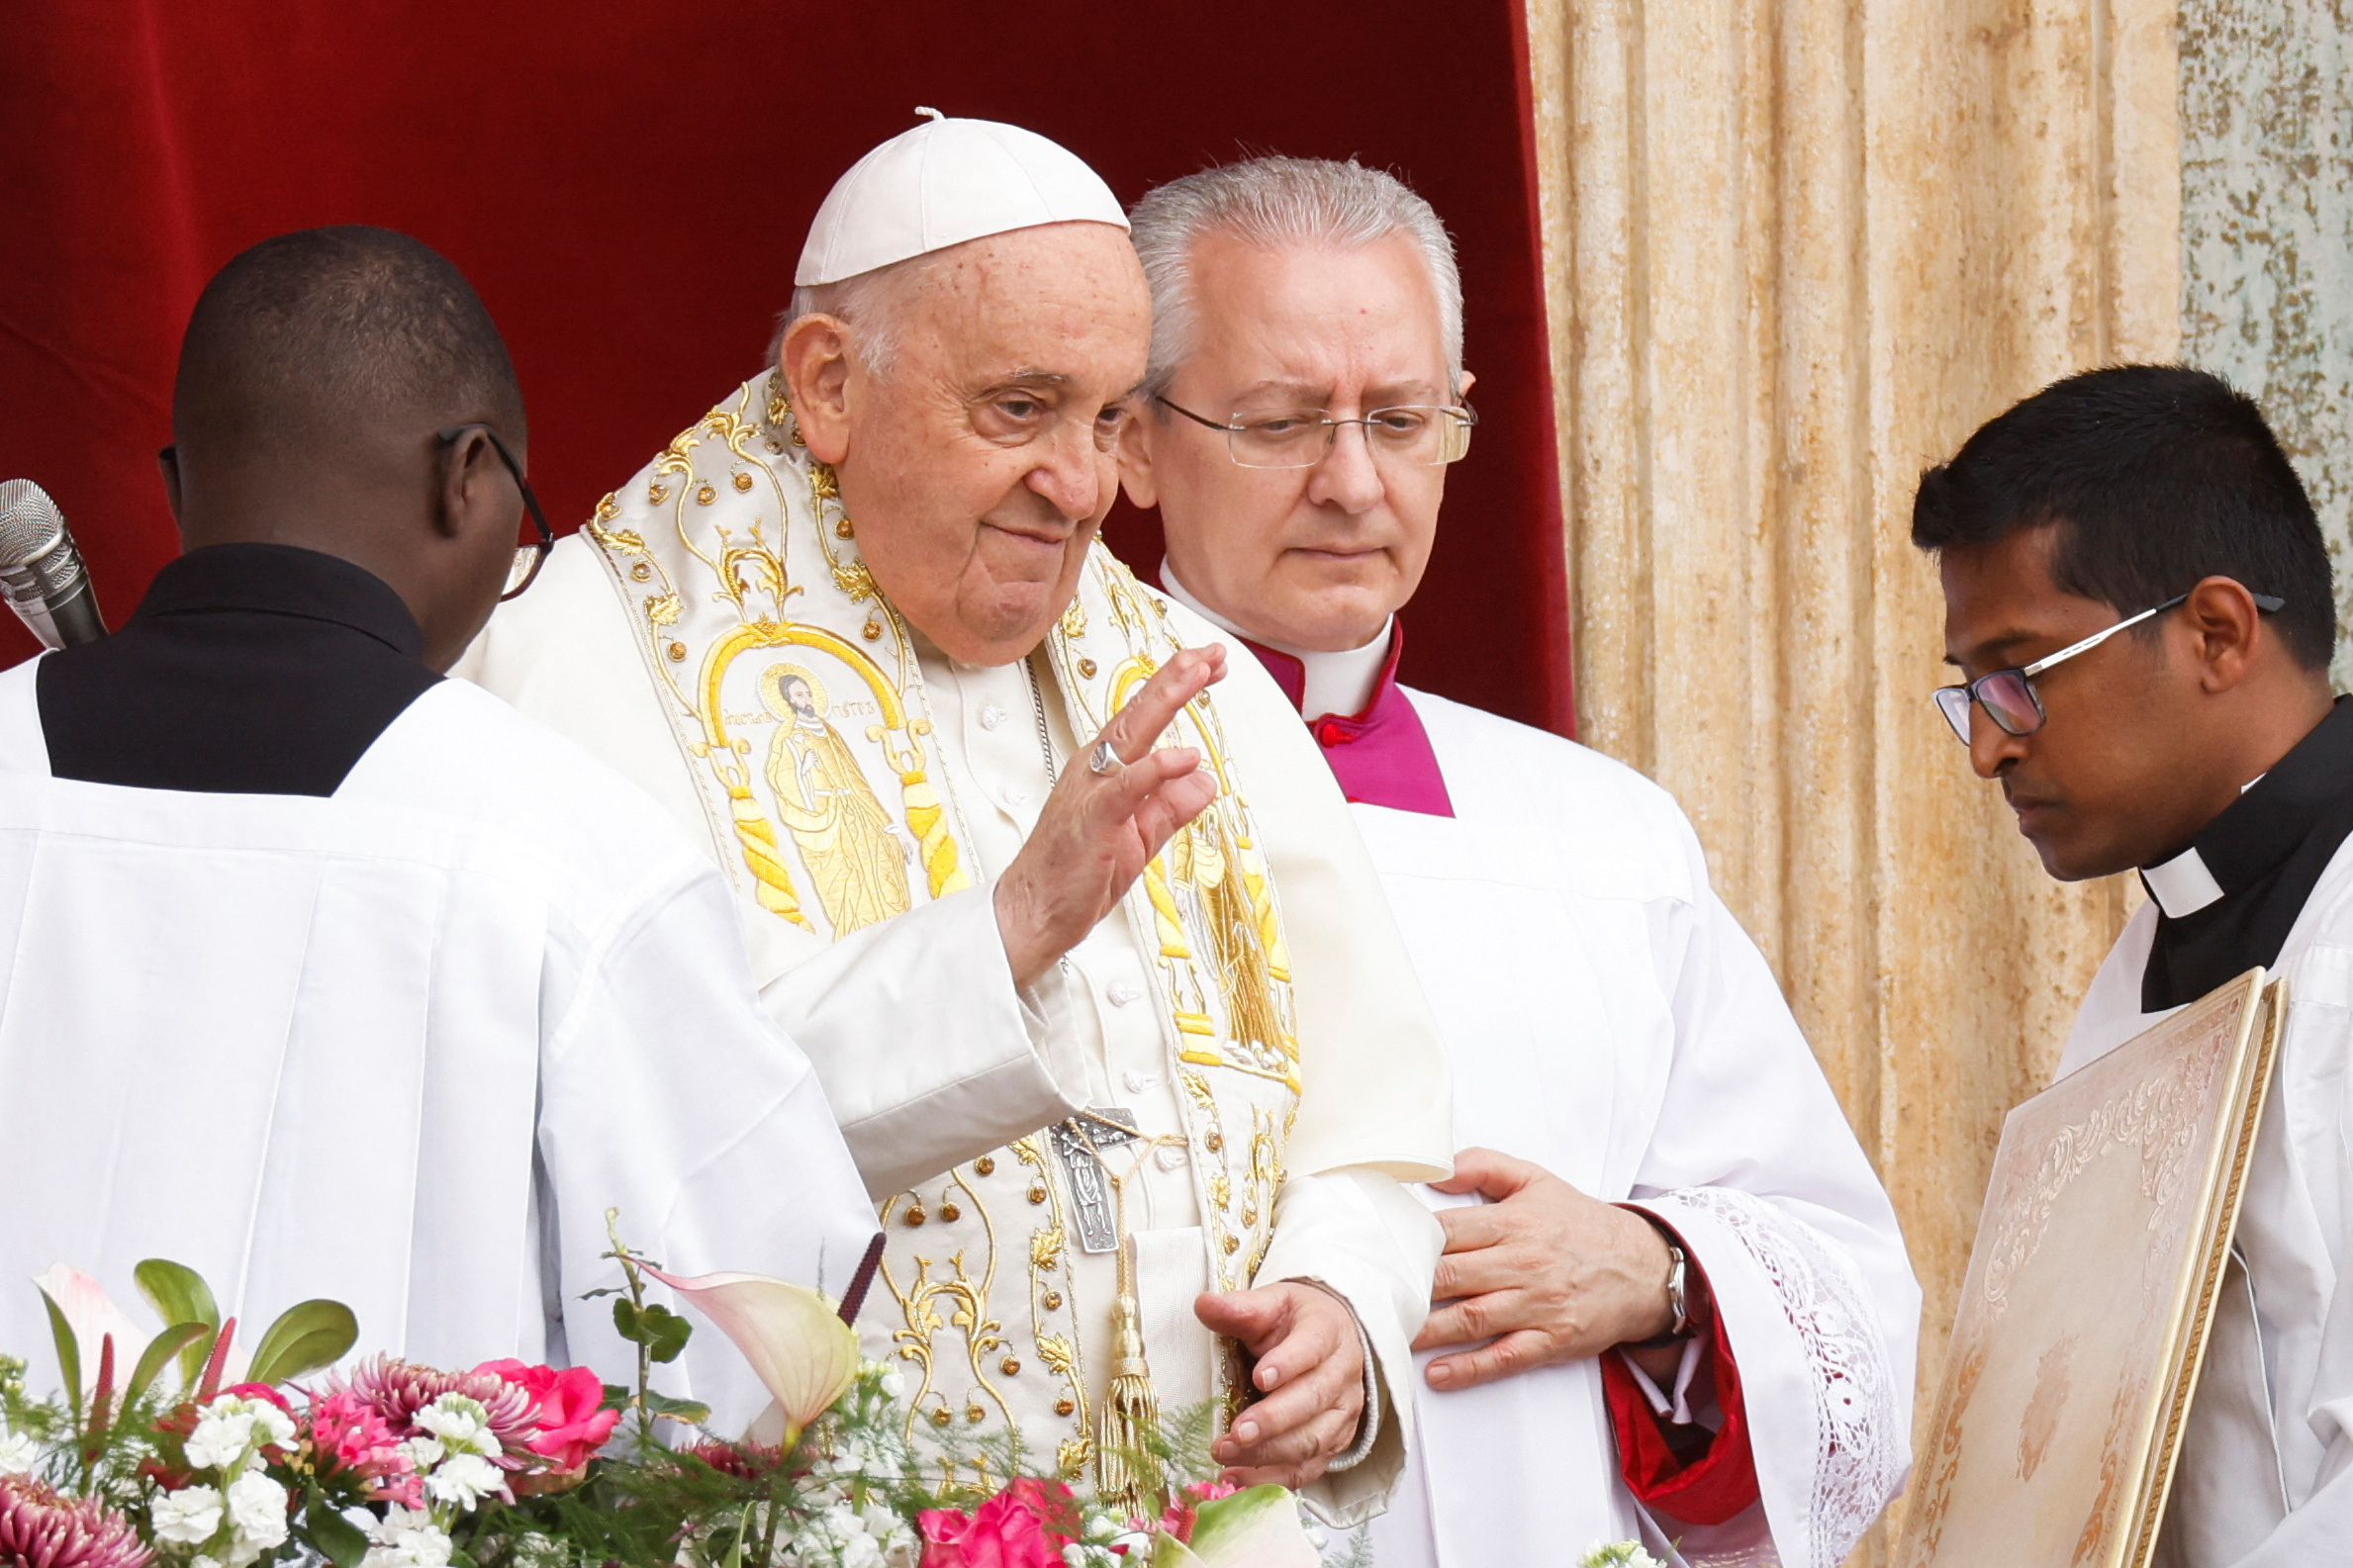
x: 196, y: 1454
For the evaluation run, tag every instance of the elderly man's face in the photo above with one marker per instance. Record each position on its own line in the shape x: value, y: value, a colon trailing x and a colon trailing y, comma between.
x: 976, y: 467
x: 1309, y: 557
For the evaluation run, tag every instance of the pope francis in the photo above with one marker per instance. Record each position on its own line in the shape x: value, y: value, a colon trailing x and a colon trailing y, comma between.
x: 1066, y: 911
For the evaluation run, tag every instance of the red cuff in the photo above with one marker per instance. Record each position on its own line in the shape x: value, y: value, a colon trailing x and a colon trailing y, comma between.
x: 1716, y: 1484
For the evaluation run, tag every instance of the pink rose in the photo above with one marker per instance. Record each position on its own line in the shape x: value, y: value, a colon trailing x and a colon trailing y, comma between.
x: 573, y: 1425
x: 1012, y: 1530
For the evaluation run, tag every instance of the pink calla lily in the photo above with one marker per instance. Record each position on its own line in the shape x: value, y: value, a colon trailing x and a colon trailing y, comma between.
x: 92, y: 1315
x: 794, y: 1337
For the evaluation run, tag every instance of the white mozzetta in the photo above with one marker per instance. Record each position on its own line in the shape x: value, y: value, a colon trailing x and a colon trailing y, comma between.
x: 401, y: 1047
x: 1609, y: 1020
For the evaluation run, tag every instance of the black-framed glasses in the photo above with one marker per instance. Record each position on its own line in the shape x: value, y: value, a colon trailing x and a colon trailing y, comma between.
x: 528, y: 557
x: 2009, y: 696
x: 1424, y: 434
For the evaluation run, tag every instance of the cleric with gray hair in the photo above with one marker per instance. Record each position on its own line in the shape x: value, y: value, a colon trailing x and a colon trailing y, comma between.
x: 1275, y: 201
x: 1667, y: 1173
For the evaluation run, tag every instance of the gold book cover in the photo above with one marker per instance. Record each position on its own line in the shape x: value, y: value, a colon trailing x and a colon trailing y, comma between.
x: 2083, y: 1322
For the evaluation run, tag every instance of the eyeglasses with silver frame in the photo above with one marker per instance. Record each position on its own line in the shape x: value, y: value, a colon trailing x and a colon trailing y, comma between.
x: 1426, y: 434
x: 2008, y: 696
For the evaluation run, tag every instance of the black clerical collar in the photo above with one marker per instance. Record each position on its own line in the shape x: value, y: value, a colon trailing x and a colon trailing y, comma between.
x: 248, y: 668
x: 284, y: 579
x: 2227, y: 902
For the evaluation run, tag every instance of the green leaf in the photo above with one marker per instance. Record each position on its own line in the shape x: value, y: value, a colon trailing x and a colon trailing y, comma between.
x: 306, y: 1337
x: 617, y: 1396
x: 173, y: 1340
x: 676, y: 1409
x: 177, y: 1292
x: 1259, y: 1525
x: 625, y: 1323
x: 666, y: 1332
x: 337, y: 1538
x: 69, y: 1355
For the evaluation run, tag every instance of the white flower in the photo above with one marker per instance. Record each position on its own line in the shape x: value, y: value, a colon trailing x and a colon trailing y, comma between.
x: 462, y: 1424
x: 422, y: 1453
x: 258, y: 1512
x: 464, y: 1479
x: 222, y: 1437
x: 894, y: 1385
x: 232, y: 1430
x: 1618, y: 1554
x: 19, y: 1453
x: 360, y: 1519
x: 407, y: 1538
x: 191, y: 1515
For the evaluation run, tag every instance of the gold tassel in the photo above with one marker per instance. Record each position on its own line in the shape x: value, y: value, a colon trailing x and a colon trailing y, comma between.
x: 1127, y: 1475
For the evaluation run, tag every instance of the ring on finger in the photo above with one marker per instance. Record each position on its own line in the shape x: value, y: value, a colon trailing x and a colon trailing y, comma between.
x: 1103, y: 759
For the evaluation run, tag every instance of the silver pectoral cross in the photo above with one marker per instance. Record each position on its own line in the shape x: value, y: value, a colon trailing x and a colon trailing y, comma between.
x: 1095, y: 1202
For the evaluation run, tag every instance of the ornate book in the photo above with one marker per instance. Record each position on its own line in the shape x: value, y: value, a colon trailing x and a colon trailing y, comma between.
x: 2083, y: 1322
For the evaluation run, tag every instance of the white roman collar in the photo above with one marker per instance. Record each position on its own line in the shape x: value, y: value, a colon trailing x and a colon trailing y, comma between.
x: 1340, y: 683
x: 2182, y: 886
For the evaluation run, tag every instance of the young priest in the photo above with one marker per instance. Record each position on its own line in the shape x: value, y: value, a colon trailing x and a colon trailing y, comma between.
x: 327, y: 977
x: 2140, y: 605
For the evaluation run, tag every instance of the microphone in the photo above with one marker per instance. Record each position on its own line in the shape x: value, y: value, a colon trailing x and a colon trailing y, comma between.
x: 41, y: 572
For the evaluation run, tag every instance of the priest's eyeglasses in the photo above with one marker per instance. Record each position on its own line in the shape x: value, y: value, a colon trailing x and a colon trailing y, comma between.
x: 2009, y: 696
x: 1423, y: 433
x: 530, y: 554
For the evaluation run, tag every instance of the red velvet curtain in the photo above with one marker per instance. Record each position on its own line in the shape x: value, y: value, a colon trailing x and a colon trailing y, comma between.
x: 627, y: 184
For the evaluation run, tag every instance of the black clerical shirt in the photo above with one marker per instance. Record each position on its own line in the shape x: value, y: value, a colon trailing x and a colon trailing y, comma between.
x: 248, y: 668
x: 2266, y: 853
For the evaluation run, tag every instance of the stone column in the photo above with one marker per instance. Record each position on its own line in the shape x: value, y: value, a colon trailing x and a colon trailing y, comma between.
x: 2267, y: 234
x: 1794, y: 251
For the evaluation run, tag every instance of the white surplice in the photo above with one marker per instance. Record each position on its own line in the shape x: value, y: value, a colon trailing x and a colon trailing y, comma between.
x: 1608, y: 1019
x: 401, y: 1047
x: 935, y: 1061
x: 2266, y: 1472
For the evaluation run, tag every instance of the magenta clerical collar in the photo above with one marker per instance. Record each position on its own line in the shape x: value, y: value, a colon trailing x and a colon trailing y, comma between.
x: 1380, y: 754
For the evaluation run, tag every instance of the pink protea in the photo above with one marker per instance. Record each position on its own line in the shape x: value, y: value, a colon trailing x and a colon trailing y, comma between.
x: 38, y: 1528
x: 397, y: 1390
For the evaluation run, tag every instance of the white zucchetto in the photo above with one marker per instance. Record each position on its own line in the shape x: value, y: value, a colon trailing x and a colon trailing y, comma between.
x: 941, y: 184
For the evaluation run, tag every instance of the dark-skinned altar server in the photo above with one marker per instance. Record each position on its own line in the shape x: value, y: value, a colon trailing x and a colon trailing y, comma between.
x: 1079, y: 990
x: 2138, y: 599
x: 327, y: 977
x: 1673, y: 1301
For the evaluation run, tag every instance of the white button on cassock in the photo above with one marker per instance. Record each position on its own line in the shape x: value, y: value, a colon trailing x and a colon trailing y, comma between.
x: 1121, y: 993
x: 1138, y: 1082
x: 992, y: 715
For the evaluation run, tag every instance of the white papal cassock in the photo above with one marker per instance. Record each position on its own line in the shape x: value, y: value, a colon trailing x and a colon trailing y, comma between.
x: 2265, y: 1478
x: 1609, y: 1020
x: 714, y: 634
x: 400, y: 1046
